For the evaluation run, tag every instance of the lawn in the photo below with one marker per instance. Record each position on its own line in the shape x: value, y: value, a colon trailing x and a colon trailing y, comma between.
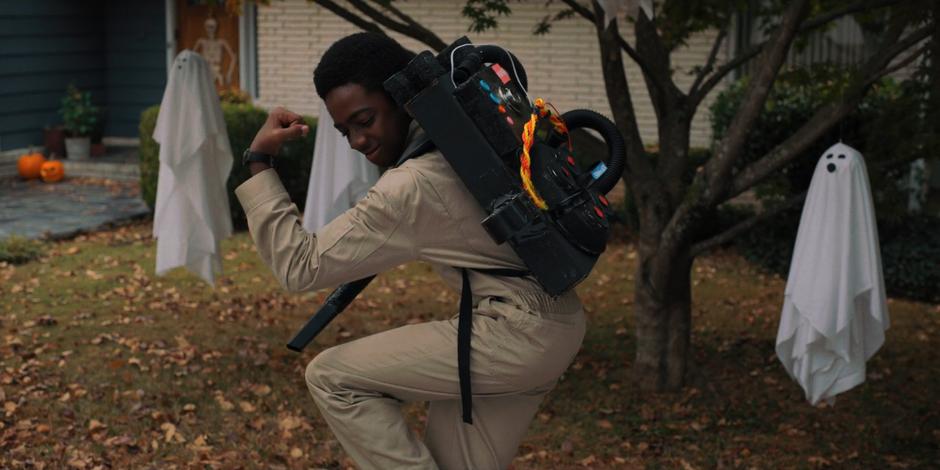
x: 103, y: 364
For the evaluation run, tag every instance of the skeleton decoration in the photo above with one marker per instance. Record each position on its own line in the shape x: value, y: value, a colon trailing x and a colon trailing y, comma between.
x: 212, y: 48
x: 834, y: 311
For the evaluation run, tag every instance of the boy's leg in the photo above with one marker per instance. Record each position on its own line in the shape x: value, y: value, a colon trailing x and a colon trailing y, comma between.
x: 499, y: 425
x: 359, y: 387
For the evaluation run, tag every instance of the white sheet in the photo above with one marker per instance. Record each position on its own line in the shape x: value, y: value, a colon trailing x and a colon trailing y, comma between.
x: 339, y: 177
x: 834, y: 312
x: 192, y: 212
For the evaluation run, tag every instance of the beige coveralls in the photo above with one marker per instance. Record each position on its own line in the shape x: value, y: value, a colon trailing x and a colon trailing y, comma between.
x: 522, y: 338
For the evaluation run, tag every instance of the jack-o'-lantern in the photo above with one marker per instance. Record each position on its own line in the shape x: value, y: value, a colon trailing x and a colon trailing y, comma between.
x: 30, y: 164
x: 52, y: 171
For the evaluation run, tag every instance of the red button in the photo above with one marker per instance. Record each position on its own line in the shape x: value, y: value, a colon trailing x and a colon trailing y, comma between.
x: 603, y: 200
x: 570, y: 160
x: 502, y: 109
x: 599, y: 212
x: 501, y: 73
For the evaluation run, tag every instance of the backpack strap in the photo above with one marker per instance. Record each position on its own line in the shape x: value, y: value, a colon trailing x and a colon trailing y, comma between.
x: 416, y: 149
x: 464, y: 330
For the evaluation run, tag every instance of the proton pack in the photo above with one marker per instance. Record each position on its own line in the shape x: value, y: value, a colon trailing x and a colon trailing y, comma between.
x: 515, y: 157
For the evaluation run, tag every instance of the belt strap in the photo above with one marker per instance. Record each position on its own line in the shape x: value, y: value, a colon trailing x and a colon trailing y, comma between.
x: 464, y: 330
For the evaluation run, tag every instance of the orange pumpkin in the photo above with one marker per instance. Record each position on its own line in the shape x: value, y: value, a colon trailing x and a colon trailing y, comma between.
x: 52, y: 171
x: 30, y: 164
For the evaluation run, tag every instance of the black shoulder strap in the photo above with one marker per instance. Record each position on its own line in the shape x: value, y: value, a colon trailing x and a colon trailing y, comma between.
x: 464, y: 330
x: 416, y: 149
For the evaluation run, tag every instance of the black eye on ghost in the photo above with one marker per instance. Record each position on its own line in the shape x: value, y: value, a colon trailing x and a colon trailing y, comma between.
x: 832, y: 167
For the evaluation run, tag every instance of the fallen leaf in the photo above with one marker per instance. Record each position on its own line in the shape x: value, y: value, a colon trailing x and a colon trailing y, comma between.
x: 589, y: 460
x: 246, y: 407
x: 95, y: 425
x: 288, y: 423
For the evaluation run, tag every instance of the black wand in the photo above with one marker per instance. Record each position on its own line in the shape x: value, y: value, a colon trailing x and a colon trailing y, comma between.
x: 334, y: 304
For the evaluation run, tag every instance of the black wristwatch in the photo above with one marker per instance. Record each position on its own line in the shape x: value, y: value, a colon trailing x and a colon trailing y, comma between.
x: 250, y: 157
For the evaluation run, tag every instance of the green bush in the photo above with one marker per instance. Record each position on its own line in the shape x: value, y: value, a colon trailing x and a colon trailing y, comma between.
x: 910, y: 255
x: 882, y: 130
x: 19, y: 250
x: 242, y: 121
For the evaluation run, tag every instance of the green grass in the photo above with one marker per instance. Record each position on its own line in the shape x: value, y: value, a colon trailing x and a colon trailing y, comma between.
x: 181, y: 374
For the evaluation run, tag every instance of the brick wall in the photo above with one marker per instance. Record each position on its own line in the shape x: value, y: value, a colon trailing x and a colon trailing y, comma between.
x: 563, y: 66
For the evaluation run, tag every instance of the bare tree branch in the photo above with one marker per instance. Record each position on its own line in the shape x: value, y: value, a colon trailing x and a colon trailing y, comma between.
x: 901, y: 64
x: 412, y: 30
x: 639, y: 173
x: 631, y: 52
x: 718, y: 169
x: 745, y: 225
x: 348, y: 16
x: 395, y: 11
x: 710, y: 62
x: 830, y: 115
x: 649, y: 46
x: 810, y: 24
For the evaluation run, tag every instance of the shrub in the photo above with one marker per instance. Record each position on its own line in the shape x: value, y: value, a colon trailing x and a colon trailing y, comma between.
x: 18, y: 250
x: 242, y: 121
x: 79, y: 116
x: 910, y: 255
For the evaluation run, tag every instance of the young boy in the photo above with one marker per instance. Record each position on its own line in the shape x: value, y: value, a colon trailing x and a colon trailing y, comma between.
x: 523, y: 339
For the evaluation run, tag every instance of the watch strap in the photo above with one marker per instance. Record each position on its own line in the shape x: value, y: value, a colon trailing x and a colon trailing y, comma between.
x: 250, y: 157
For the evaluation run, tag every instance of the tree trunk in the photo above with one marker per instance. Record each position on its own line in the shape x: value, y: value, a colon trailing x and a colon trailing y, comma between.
x: 663, y: 321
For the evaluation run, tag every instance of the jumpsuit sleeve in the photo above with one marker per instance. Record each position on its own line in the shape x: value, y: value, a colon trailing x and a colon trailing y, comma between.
x: 371, y: 237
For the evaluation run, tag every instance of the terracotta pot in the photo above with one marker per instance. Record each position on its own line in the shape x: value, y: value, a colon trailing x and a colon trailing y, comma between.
x: 54, y: 141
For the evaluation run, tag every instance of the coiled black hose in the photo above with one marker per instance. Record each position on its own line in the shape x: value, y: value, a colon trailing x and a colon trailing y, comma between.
x: 616, y: 148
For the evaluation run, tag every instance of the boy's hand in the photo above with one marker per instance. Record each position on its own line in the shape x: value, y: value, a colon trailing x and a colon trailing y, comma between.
x: 281, y: 126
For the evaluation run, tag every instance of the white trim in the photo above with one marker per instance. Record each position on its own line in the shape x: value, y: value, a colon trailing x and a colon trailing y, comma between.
x: 248, y: 50
x: 170, y: 35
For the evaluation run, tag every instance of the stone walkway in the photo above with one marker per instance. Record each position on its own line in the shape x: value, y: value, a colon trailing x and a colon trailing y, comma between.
x: 34, y: 209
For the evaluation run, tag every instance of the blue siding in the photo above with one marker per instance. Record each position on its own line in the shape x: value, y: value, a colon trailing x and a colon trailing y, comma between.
x: 44, y: 46
x: 114, y: 49
x: 136, y: 62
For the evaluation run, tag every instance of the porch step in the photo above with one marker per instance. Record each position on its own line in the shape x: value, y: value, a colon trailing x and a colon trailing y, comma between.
x: 119, y: 163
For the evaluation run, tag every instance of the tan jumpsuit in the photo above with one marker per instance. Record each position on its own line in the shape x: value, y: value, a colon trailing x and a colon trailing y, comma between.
x: 522, y: 341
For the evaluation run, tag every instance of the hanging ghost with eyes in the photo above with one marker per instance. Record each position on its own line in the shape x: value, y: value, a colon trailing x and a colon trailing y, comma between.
x: 834, y: 311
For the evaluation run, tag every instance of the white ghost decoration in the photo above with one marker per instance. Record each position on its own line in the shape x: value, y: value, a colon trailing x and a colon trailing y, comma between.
x: 834, y: 310
x: 339, y: 176
x: 192, y: 212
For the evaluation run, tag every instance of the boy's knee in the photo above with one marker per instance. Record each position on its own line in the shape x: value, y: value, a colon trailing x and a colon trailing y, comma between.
x: 319, y: 370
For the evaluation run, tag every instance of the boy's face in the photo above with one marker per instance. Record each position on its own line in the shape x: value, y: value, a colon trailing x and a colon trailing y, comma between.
x: 370, y: 122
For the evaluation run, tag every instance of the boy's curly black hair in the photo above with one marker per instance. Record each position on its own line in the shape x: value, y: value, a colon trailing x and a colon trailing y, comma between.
x: 366, y: 59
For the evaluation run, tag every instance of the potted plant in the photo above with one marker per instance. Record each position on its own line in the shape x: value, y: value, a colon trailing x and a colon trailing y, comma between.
x: 80, y: 117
